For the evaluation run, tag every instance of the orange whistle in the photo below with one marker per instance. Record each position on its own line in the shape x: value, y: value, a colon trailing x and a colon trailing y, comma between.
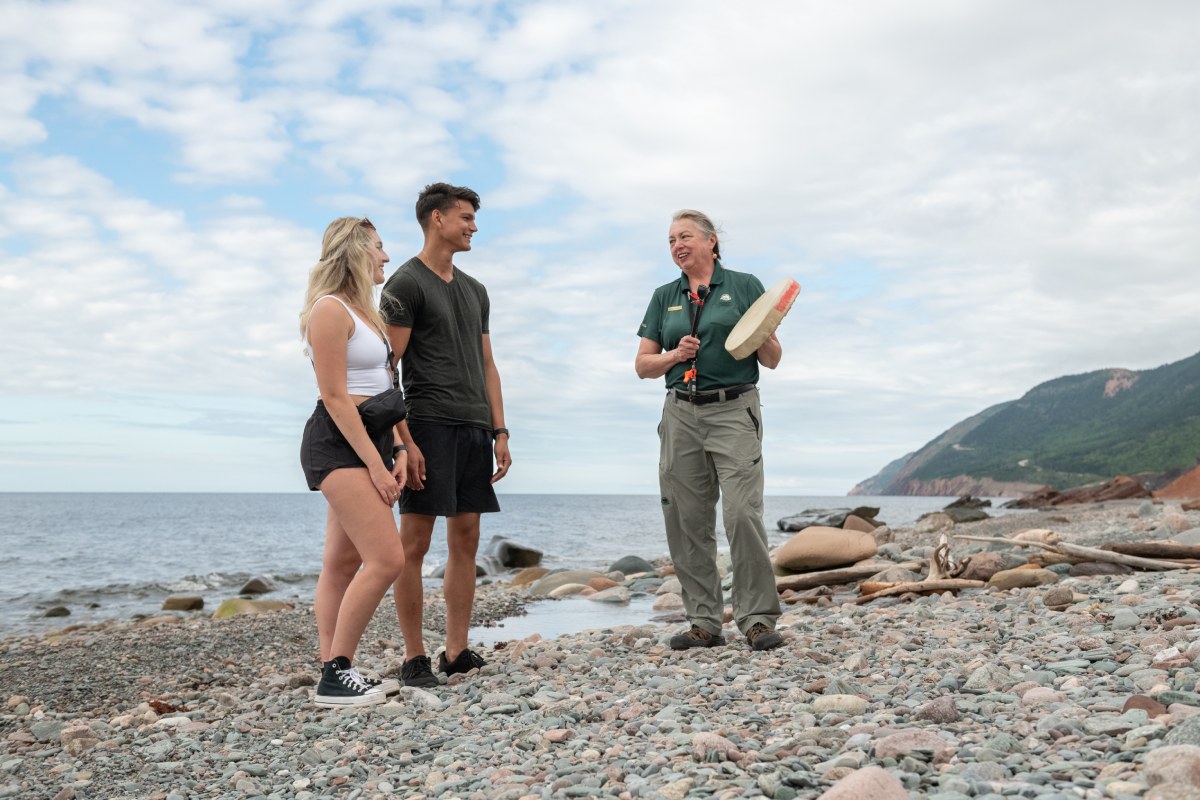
x: 689, y: 376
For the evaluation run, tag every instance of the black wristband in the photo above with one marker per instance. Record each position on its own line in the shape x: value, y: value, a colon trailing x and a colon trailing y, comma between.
x: 398, y: 449
x: 496, y: 432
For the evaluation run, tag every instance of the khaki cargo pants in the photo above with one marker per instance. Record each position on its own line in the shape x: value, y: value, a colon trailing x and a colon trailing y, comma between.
x: 710, y: 452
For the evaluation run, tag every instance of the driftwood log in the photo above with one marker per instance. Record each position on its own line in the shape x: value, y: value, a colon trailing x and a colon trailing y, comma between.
x: 941, y: 578
x: 832, y: 577
x: 1087, y: 553
x: 1172, y: 550
x: 922, y: 587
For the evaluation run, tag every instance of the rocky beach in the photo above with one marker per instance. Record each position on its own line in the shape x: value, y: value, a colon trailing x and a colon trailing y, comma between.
x: 1083, y: 686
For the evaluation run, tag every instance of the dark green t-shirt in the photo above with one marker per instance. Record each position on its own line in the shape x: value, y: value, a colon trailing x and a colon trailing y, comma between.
x: 442, y: 367
x: 669, y: 318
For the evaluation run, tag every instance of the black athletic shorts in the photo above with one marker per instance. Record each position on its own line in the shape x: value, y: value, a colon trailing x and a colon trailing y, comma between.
x: 324, y: 449
x: 458, y: 471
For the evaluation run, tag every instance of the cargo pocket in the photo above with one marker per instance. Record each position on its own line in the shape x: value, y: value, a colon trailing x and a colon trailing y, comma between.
x: 754, y: 421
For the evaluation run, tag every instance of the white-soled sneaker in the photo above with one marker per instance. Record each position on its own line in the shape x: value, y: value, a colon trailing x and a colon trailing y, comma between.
x: 388, y: 686
x: 342, y: 685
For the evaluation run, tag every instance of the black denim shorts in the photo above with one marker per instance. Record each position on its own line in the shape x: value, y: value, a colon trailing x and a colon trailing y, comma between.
x: 324, y: 449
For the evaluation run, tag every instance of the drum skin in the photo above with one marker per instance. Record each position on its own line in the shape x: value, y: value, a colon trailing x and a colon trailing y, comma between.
x: 762, y: 318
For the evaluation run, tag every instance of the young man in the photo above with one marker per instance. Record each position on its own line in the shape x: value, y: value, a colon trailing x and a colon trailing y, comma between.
x: 437, y: 323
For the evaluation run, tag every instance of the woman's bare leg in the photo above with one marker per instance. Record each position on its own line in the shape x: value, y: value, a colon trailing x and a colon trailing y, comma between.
x: 370, y: 526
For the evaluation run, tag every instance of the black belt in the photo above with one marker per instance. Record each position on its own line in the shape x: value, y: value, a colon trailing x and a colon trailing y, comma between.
x: 716, y: 396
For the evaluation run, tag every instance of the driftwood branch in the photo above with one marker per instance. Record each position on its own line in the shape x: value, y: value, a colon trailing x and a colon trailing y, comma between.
x: 1089, y: 554
x: 942, y: 564
x: 832, y: 577
x: 1094, y: 554
x: 922, y: 587
x: 1002, y: 540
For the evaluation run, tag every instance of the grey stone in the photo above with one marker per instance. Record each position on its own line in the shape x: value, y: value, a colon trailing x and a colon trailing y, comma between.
x: 988, y: 678
x: 1125, y: 619
x: 508, y: 554
x: 631, y: 565
x: 46, y: 730
x: 1186, y: 732
x: 259, y: 584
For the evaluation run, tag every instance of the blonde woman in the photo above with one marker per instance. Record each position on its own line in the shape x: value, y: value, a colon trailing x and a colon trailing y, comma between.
x: 360, y: 473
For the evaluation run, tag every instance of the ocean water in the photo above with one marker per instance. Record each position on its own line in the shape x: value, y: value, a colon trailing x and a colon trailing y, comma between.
x: 116, y: 555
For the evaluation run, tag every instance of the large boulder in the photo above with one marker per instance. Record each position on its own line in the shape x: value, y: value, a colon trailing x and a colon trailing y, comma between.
x: 962, y: 514
x: 183, y: 602
x: 1038, y: 498
x: 1021, y: 578
x: 1121, y: 487
x: 543, y: 586
x: 512, y: 555
x: 529, y: 575
x: 259, y: 584
x: 933, y: 522
x: 632, y: 565
x: 821, y: 547
x: 236, y: 606
x: 613, y: 594
x: 982, y: 566
x: 854, y: 523
x: 826, y: 517
x: 969, y: 501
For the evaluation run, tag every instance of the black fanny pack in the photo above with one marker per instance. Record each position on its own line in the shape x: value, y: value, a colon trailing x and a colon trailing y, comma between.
x: 385, y: 409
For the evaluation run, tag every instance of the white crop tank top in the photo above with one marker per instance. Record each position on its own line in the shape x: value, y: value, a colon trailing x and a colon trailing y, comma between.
x: 366, y: 357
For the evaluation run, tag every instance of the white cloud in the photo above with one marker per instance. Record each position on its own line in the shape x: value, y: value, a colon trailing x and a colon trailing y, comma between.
x: 975, y: 197
x: 150, y: 298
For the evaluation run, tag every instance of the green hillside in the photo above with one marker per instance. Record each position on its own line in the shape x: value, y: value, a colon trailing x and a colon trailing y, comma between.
x: 1070, y: 431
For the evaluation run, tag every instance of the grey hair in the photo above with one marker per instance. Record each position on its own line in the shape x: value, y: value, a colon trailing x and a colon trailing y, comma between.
x: 705, y: 225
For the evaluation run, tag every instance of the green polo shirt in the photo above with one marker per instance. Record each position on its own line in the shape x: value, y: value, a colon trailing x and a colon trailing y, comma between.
x: 668, y: 319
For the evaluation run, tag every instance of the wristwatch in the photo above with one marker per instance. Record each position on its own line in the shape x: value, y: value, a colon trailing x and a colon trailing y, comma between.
x: 496, y: 432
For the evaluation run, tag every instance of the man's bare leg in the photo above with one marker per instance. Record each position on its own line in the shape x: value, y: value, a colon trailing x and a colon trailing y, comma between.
x: 462, y: 534
x: 415, y: 533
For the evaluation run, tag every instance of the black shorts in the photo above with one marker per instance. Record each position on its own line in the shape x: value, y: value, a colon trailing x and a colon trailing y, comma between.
x: 324, y: 449
x: 458, y: 471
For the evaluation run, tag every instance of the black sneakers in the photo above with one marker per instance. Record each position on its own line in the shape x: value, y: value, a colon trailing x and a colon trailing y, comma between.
x: 418, y: 671
x: 466, y: 661
x: 696, y: 637
x: 760, y: 637
x: 341, y: 685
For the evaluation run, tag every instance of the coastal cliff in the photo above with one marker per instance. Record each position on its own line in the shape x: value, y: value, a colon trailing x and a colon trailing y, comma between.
x: 1070, y: 431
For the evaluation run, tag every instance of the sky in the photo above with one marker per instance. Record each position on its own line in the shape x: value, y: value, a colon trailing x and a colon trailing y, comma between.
x: 975, y: 198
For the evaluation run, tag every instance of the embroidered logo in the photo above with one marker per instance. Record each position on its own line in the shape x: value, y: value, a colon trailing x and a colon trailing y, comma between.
x: 725, y: 298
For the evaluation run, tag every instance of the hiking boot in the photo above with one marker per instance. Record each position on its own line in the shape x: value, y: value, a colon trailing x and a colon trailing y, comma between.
x: 466, y: 661
x: 696, y: 637
x: 341, y: 685
x: 418, y: 671
x: 761, y: 637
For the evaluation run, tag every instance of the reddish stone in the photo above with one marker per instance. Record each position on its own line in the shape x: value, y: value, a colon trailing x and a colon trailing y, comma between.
x: 868, y: 783
x: 1152, y: 707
